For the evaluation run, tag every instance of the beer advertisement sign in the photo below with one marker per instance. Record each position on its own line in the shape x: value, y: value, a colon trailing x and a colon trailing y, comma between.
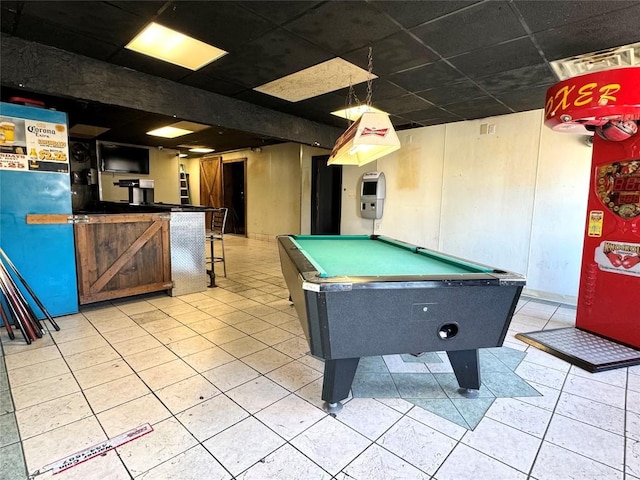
x: 33, y: 146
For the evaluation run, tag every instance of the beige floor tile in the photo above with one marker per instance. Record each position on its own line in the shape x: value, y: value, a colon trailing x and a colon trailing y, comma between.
x: 186, y: 393
x: 208, y: 359
x: 82, y: 344
x: 35, y: 373
x: 267, y: 360
x: 243, y: 347
x: 243, y: 444
x: 160, y: 325
x: 174, y: 334
x: 44, y: 390
x: 273, y: 335
x: 126, y: 333
x: 166, y: 374
x: 189, y: 346
x: 188, y: 318
x: 290, y: 416
x: 102, y: 373
x: 115, y: 392
x: 31, y: 356
x: 91, y: 358
x: 167, y: 440
x: 257, y: 394
x: 179, y: 309
x: 133, y: 307
x: 211, y: 417
x: 318, y: 443
x: 150, y: 358
x: 194, y: 464
x: 62, y: 442
x: 208, y: 325
x: 230, y: 375
x: 49, y: 415
x: 136, y: 345
x: 465, y: 459
x: 224, y: 335
x: 111, y: 325
x: 293, y: 376
x: 120, y: 419
x: 69, y: 334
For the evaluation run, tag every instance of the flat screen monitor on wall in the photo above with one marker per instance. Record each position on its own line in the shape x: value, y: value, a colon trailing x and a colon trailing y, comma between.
x: 123, y: 158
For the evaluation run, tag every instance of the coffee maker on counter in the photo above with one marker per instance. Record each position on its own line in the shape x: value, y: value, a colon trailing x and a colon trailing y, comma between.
x: 140, y: 190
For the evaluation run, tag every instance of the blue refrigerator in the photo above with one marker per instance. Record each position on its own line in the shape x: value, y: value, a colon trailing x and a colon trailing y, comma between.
x: 34, y: 179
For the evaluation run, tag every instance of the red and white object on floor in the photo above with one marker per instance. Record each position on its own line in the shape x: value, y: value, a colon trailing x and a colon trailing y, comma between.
x: 607, y: 103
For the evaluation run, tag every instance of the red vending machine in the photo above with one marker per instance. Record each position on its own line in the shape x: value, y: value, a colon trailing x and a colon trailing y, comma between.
x: 607, y: 103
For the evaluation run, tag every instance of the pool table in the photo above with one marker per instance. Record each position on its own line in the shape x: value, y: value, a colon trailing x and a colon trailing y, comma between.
x: 359, y: 295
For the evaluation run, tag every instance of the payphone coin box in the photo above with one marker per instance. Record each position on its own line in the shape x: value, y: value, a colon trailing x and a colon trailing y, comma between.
x: 372, y: 192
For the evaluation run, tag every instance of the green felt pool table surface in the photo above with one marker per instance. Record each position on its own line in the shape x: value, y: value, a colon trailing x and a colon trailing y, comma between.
x: 361, y: 255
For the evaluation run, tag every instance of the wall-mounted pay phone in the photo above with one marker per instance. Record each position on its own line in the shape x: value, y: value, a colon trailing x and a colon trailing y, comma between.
x: 372, y: 193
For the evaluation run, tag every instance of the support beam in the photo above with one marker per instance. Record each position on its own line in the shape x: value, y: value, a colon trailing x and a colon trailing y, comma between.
x: 52, y: 71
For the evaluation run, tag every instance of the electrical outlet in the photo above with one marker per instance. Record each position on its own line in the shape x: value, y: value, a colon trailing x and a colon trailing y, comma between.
x: 376, y: 227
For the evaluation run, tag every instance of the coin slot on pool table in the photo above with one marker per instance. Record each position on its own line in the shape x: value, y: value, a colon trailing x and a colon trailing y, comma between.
x: 448, y: 331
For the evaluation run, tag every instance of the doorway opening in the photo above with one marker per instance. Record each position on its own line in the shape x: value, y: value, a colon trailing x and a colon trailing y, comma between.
x: 326, y: 196
x: 234, y: 175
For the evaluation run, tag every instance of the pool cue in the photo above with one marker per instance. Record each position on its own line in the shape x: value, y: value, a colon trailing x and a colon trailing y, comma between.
x: 6, y: 294
x: 31, y: 292
x: 5, y: 320
x: 15, y: 304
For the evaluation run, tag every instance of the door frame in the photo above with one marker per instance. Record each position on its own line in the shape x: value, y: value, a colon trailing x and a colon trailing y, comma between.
x: 242, y: 160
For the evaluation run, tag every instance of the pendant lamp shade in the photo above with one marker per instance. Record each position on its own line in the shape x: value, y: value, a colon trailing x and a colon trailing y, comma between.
x: 370, y: 137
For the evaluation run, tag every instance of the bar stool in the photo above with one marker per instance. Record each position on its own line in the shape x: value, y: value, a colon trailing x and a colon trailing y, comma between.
x: 213, y: 235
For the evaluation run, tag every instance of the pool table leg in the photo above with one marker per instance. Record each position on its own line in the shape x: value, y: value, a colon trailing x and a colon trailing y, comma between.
x: 466, y: 367
x: 338, y: 377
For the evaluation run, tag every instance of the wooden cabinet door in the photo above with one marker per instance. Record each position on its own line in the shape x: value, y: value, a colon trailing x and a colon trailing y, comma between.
x: 122, y: 255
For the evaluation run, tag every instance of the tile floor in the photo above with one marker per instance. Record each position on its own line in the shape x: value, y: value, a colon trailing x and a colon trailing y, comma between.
x: 225, y: 379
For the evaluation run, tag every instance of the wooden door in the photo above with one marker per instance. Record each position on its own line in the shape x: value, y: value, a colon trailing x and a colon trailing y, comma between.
x: 211, y: 184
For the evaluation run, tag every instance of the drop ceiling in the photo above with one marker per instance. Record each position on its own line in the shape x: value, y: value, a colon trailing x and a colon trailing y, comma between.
x: 434, y: 61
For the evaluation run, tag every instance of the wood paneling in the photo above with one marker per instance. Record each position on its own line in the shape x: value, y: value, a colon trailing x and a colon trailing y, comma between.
x: 122, y: 255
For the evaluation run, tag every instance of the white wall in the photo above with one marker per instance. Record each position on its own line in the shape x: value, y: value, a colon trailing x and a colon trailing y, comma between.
x: 273, y: 190
x: 515, y: 199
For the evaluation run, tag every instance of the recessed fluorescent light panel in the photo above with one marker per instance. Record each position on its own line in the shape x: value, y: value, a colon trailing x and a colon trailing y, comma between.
x: 317, y: 80
x: 174, y: 47
x: 178, y: 129
x: 169, y: 132
x: 201, y: 150
x: 354, y: 113
x: 619, y: 57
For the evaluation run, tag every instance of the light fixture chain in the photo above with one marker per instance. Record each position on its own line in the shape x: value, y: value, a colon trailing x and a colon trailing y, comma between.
x: 369, y: 74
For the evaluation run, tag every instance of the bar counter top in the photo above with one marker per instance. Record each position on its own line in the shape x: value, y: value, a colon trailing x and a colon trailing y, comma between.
x: 124, y: 207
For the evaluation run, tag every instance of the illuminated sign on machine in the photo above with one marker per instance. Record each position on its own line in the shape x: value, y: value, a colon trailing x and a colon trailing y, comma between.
x: 618, y: 186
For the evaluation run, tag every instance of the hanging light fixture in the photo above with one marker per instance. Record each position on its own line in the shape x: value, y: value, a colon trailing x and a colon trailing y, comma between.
x: 368, y: 138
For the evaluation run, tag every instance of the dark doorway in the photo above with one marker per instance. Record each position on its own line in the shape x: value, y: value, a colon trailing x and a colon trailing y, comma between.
x: 234, y: 174
x: 326, y: 196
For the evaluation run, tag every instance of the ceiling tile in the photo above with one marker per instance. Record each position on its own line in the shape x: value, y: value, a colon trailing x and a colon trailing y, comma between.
x: 544, y: 14
x: 115, y: 26
x: 479, y: 26
x: 411, y: 13
x: 505, y: 82
x: 462, y: 90
x: 498, y: 58
x: 592, y: 34
x: 525, y: 99
x: 380, y: 90
x: 431, y: 116
x: 477, y: 108
x: 341, y: 27
x: 400, y: 105
x: 225, y: 25
x: 37, y: 30
x: 145, y: 9
x: 275, y: 55
x: 279, y: 12
x: 428, y: 76
x: 398, y: 52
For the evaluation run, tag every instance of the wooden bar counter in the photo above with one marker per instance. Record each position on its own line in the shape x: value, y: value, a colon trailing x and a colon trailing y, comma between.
x: 118, y: 255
